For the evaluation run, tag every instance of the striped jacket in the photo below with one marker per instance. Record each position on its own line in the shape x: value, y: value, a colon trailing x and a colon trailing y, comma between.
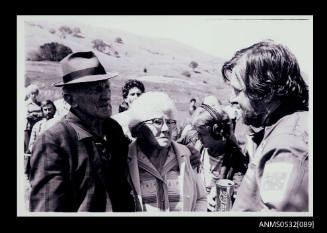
x: 193, y: 190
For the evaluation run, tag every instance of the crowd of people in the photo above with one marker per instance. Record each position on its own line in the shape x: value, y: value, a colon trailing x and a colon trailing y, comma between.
x: 87, y: 159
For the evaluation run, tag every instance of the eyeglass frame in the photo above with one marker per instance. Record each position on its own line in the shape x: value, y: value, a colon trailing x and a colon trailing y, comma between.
x: 169, y: 122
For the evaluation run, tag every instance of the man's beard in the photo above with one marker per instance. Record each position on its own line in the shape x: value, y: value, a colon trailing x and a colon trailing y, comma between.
x: 253, y: 118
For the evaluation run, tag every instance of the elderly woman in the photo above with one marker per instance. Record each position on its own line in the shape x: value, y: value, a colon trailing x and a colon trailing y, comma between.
x: 221, y: 158
x: 160, y: 168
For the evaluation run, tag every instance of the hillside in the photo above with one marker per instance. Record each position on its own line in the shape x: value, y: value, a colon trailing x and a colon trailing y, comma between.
x: 164, y: 59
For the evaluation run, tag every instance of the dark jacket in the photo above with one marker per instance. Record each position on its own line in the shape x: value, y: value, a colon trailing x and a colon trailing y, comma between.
x: 123, y: 107
x: 70, y: 170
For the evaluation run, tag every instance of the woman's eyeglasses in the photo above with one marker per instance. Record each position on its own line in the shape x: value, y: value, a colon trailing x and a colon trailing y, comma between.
x: 158, y: 122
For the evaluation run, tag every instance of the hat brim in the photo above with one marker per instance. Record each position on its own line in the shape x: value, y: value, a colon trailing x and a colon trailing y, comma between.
x: 87, y: 79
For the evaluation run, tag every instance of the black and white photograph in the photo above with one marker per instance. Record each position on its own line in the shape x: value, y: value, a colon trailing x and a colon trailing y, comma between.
x: 165, y: 115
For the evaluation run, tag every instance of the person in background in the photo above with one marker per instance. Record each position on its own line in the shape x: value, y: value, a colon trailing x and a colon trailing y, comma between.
x: 221, y: 158
x: 188, y: 131
x: 189, y: 136
x: 131, y: 90
x: 270, y: 90
x: 33, y: 115
x: 192, y: 106
x: 48, y: 109
x: 80, y: 163
x: 160, y: 168
x: 33, y: 111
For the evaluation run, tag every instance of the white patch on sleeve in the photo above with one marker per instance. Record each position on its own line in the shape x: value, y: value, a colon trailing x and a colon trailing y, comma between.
x: 274, y: 181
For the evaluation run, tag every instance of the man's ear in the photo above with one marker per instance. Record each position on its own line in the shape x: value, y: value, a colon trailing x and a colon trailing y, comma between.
x: 69, y: 98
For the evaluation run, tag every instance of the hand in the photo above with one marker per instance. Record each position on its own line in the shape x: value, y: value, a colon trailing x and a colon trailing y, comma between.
x: 195, y: 157
x: 211, y: 198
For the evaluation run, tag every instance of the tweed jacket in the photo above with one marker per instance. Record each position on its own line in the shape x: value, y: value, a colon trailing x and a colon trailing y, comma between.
x: 70, y: 173
x: 194, y: 194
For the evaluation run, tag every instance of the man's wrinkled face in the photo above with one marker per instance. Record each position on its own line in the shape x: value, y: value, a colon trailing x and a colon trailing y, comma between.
x: 252, y: 111
x: 95, y: 99
x: 133, y: 94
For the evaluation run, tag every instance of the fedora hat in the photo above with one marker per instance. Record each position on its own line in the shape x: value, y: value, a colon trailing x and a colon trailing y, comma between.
x: 82, y: 67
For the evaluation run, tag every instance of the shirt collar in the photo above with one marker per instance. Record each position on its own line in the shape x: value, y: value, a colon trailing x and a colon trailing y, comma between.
x: 76, y: 123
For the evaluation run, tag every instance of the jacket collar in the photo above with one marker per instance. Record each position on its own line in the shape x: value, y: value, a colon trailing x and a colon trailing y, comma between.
x: 179, y: 150
x: 76, y: 123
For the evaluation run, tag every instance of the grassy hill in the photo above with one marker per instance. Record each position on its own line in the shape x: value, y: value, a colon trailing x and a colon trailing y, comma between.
x: 164, y: 59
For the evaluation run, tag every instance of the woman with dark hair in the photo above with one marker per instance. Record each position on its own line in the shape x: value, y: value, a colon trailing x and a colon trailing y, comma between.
x: 131, y: 90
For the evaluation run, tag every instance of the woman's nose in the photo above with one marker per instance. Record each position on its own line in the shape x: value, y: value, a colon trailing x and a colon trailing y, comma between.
x: 164, y: 126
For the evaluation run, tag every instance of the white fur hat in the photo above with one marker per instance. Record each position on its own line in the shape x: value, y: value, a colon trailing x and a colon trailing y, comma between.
x: 151, y: 105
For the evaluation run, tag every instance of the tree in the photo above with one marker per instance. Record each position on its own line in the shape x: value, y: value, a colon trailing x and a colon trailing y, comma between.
x: 65, y: 30
x: 76, y: 30
x: 53, y: 51
x: 52, y: 30
x: 193, y: 64
x: 119, y: 40
x: 116, y: 54
x: 186, y: 73
x: 101, y: 46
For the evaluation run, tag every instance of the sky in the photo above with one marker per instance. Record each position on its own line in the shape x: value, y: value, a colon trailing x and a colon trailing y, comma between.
x: 220, y: 36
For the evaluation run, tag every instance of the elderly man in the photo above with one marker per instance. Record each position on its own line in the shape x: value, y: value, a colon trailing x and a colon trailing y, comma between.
x: 273, y: 96
x: 80, y: 163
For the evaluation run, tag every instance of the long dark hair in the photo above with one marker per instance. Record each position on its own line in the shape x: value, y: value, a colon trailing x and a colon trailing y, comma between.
x: 270, y: 71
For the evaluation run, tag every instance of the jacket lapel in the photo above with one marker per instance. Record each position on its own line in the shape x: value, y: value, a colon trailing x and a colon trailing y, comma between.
x: 134, y: 170
x: 181, y: 158
x: 135, y: 177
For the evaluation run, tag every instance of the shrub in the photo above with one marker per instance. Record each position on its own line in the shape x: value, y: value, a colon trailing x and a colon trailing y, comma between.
x: 78, y: 36
x: 52, y: 31
x: 53, y: 51
x: 186, y: 73
x: 116, y: 54
x: 101, y: 46
x: 119, y: 40
x: 193, y: 64
x: 65, y: 30
x: 76, y: 30
x: 33, y: 55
